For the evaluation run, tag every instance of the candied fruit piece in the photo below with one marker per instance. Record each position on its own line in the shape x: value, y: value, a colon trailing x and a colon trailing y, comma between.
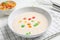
x: 19, y: 21
x: 29, y: 18
x: 29, y: 25
x: 22, y: 26
x: 24, y: 18
x: 33, y: 17
x: 25, y: 22
x: 36, y: 24
x: 28, y: 33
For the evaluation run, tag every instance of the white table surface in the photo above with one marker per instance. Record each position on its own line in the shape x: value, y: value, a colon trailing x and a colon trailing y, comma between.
x: 56, y: 38
x: 3, y: 20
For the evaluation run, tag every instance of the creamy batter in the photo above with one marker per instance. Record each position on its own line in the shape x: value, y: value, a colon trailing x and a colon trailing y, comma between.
x: 30, y: 23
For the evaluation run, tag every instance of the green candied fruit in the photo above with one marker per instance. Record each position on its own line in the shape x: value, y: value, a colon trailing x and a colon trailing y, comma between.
x: 22, y: 26
x: 28, y: 33
x: 36, y: 24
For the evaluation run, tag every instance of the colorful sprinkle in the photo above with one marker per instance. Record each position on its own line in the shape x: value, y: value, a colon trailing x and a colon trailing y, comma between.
x: 25, y: 22
x: 19, y: 21
x: 29, y: 18
x: 28, y: 33
x: 24, y: 18
x: 36, y: 24
x: 29, y: 25
x: 22, y: 26
x: 33, y: 17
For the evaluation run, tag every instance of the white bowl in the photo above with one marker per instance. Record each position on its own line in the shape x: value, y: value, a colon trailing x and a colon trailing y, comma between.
x: 5, y: 12
x: 28, y: 9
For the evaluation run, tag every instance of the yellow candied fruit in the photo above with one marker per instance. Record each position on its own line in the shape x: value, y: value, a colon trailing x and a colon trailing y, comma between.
x: 25, y: 22
x: 19, y: 21
x: 28, y: 24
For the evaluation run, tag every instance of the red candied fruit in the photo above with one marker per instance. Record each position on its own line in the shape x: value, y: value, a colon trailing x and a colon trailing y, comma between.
x: 24, y: 18
x: 33, y: 17
x: 29, y: 18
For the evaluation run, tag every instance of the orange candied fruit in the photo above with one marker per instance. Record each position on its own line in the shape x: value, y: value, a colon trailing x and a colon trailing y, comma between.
x: 29, y: 25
